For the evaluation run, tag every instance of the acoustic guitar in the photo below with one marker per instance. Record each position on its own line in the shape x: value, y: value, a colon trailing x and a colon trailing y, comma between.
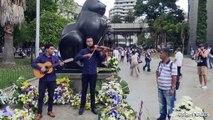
x: 49, y: 68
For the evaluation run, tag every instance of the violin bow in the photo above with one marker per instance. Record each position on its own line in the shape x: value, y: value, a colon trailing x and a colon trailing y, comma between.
x: 99, y: 41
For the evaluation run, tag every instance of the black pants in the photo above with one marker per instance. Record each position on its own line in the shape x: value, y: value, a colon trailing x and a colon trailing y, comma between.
x: 88, y: 79
x: 179, y: 71
x: 50, y: 86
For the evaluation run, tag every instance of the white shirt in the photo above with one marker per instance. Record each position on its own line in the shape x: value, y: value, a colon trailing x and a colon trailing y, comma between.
x: 122, y: 53
x: 134, y: 58
x: 116, y: 53
x: 179, y: 58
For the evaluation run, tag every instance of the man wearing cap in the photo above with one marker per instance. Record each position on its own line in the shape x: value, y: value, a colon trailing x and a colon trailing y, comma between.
x: 166, y: 75
x: 202, y: 55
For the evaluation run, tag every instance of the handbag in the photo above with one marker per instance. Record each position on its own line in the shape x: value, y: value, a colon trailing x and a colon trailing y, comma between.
x: 139, y: 60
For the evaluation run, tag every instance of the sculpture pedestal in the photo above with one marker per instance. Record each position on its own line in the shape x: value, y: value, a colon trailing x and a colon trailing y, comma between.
x: 76, y: 79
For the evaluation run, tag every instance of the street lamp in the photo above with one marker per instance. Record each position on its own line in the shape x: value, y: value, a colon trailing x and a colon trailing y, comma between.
x: 37, y: 27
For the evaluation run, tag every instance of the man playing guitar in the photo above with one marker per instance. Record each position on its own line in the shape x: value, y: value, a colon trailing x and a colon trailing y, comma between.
x: 48, y: 81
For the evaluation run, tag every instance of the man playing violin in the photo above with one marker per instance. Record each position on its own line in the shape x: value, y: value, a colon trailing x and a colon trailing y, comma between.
x: 89, y: 56
x: 48, y: 81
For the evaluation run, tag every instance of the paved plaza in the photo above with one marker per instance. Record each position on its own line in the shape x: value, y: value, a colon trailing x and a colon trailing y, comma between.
x: 144, y: 88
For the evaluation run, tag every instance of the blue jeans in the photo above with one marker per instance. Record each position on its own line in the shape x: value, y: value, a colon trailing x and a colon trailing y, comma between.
x: 147, y: 65
x: 166, y: 103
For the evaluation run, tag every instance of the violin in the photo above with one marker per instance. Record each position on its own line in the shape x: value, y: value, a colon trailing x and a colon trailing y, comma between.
x: 99, y: 48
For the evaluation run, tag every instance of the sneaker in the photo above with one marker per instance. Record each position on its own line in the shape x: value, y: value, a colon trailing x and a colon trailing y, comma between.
x: 204, y: 87
x: 199, y: 86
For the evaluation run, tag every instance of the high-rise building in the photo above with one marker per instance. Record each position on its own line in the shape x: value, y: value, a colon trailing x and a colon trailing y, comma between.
x: 193, y: 19
x: 121, y: 7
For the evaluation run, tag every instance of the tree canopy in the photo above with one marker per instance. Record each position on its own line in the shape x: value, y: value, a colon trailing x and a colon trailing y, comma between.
x: 116, y: 19
x: 49, y: 7
x: 154, y: 8
x: 50, y: 27
x: 129, y: 18
x: 163, y: 16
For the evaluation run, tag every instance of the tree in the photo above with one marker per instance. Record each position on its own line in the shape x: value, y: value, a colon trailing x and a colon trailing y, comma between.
x: 152, y: 9
x: 142, y: 40
x: 24, y: 34
x: 156, y: 12
x: 1, y: 35
x: 129, y: 18
x: 66, y: 7
x: 11, y: 14
x: 202, y: 23
x: 164, y: 25
x: 46, y: 5
x: 182, y: 28
x: 116, y: 19
x: 50, y: 27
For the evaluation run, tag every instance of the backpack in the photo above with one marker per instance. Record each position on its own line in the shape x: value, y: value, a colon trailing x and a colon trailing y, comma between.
x: 178, y: 77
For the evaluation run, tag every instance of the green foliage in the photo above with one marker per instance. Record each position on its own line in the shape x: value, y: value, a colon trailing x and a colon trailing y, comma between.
x: 162, y: 17
x: 10, y: 75
x: 26, y: 32
x: 23, y: 34
x: 164, y: 23
x: 202, y: 23
x: 66, y: 7
x: 182, y: 26
x: 130, y: 17
x: 116, y: 19
x: 125, y: 87
x: 148, y: 41
x: 155, y: 8
x: 46, y: 5
x: 50, y: 27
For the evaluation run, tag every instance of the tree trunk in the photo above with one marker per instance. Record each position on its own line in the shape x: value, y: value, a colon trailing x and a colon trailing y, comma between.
x: 165, y: 40
x: 183, y: 39
x: 8, y: 55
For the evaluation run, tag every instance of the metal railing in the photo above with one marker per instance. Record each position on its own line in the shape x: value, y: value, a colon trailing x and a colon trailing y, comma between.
x: 9, y: 76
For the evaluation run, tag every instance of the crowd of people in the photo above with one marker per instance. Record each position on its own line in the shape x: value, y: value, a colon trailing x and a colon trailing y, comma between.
x: 168, y: 73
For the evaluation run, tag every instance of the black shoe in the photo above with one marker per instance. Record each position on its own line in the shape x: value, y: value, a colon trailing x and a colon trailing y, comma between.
x: 143, y: 69
x: 81, y: 111
x: 149, y: 70
x: 94, y: 111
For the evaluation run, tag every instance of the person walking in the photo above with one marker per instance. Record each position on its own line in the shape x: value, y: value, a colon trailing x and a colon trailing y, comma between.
x: 48, y: 81
x: 122, y: 55
x: 166, y: 75
x: 202, y: 55
x: 147, y: 60
x: 89, y: 58
x: 134, y: 64
x: 178, y: 61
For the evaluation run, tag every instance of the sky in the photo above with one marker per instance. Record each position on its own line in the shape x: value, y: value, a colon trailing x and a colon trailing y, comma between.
x: 110, y: 3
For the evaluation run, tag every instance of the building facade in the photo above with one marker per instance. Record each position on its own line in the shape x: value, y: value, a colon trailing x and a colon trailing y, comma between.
x: 121, y: 7
x: 193, y: 17
x: 70, y: 14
